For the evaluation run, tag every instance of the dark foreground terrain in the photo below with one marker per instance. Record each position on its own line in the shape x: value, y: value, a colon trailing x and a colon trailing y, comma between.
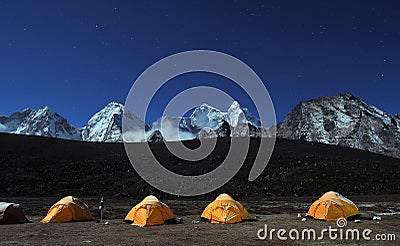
x: 36, y: 172
x: 37, y: 166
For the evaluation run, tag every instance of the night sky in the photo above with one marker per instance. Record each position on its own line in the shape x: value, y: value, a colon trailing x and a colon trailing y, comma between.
x: 76, y: 56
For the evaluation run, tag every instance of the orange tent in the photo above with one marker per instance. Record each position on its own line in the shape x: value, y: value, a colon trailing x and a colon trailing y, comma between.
x: 11, y: 213
x: 149, y: 212
x: 332, y: 206
x: 225, y: 210
x: 68, y: 209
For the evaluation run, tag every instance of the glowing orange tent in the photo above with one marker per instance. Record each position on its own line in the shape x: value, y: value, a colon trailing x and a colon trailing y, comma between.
x: 332, y: 206
x: 225, y: 210
x: 149, y: 212
x: 68, y: 209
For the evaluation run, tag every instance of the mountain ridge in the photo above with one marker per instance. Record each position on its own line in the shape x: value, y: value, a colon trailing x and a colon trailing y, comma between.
x: 341, y: 119
x: 344, y: 120
x: 41, y: 122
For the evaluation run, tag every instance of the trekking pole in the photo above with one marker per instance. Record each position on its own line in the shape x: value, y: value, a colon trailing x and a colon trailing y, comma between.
x: 100, y: 217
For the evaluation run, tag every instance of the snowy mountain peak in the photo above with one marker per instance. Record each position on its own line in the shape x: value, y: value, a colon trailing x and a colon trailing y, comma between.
x: 238, y: 115
x: 45, y: 112
x: 114, y: 104
x: 206, y: 116
x: 42, y: 122
x: 343, y: 120
x: 235, y: 104
x: 347, y: 95
x: 46, y: 108
x: 105, y: 125
x: 235, y: 115
x: 206, y: 105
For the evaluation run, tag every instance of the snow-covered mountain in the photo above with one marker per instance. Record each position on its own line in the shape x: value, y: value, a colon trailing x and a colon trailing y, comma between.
x: 105, y: 125
x: 340, y: 120
x: 343, y: 120
x: 207, y: 122
x: 206, y: 116
x: 42, y: 122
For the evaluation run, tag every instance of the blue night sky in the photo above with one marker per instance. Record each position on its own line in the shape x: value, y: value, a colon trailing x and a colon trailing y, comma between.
x: 77, y: 56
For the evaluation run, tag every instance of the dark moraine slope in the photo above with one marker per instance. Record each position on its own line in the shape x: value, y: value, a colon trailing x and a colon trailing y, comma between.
x: 38, y: 166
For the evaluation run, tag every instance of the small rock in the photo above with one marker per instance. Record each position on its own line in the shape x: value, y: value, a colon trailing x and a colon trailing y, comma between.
x: 106, y: 223
x: 303, y: 219
x: 357, y: 221
x: 298, y: 215
x: 377, y: 218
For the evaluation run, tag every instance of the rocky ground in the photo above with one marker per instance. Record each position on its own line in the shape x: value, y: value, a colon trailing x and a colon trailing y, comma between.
x: 282, y: 214
x: 37, y: 166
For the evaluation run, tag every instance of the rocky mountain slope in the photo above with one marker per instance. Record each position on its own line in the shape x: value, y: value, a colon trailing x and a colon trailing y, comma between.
x: 43, y: 122
x: 105, y: 125
x: 343, y: 120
